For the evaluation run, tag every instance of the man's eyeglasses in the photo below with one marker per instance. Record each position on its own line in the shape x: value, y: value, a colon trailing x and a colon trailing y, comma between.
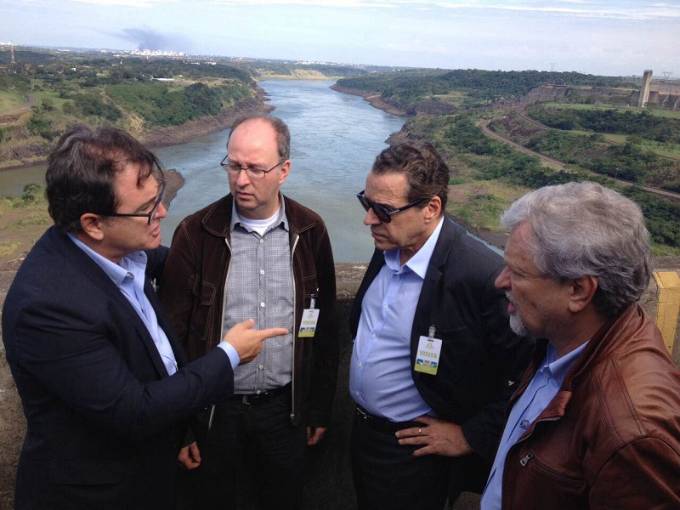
x: 382, y: 211
x: 253, y: 172
x: 152, y: 213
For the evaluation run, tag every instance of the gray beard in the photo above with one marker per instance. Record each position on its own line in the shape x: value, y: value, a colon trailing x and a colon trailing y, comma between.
x: 517, y: 326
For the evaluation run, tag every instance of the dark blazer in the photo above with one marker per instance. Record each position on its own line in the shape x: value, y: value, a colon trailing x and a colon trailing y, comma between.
x: 104, y: 419
x: 480, y: 357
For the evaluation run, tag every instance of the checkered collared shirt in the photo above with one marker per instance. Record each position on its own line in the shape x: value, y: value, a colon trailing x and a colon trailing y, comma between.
x: 260, y: 286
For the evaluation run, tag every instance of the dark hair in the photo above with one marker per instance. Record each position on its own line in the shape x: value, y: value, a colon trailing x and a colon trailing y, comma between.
x: 427, y: 174
x: 280, y: 127
x: 81, y: 171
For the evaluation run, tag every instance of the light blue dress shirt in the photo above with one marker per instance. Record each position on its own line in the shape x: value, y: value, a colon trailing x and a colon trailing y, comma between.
x: 380, y: 370
x: 539, y: 393
x: 129, y: 276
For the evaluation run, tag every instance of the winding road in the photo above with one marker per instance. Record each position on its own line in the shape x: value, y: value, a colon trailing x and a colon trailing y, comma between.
x: 555, y: 164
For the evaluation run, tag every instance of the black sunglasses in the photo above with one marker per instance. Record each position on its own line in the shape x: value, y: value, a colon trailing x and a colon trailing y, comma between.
x: 382, y: 211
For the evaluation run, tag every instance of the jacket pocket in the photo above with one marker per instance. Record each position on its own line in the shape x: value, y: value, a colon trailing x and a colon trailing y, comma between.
x: 204, y: 292
x: 550, y: 477
x: 202, y: 311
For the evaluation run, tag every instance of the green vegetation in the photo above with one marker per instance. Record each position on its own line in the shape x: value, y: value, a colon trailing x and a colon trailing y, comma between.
x: 609, y: 120
x: 41, y: 97
x: 662, y: 216
x: 10, y: 100
x: 22, y: 220
x: 650, y: 109
x: 627, y: 161
x: 406, y: 89
x: 160, y: 105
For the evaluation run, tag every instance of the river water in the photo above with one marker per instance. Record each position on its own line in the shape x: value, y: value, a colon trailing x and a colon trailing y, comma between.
x: 334, y: 139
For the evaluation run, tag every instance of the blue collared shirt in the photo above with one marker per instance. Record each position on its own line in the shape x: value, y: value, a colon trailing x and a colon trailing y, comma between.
x: 539, y: 393
x: 129, y: 277
x: 380, y: 370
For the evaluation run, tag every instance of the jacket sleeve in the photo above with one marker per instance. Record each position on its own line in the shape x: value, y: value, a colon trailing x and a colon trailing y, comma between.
x: 73, y: 354
x: 509, y: 355
x: 176, y: 285
x: 643, y: 474
x: 325, y: 360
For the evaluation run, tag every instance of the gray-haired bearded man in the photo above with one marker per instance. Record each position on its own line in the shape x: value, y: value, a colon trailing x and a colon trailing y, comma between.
x: 595, y: 422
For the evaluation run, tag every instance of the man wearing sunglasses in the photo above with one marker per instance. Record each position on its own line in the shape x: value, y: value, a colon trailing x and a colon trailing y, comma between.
x: 434, y: 361
x: 105, y: 389
x: 256, y: 253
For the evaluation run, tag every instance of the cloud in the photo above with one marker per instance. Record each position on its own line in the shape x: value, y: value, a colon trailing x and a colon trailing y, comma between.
x: 147, y: 39
x: 123, y: 3
x: 636, y: 11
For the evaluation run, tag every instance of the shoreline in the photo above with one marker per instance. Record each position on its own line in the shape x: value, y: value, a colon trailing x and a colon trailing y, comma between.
x: 373, y: 98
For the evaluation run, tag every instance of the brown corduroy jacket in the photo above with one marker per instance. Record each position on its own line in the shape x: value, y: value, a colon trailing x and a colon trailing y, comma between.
x: 611, y: 436
x: 192, y: 293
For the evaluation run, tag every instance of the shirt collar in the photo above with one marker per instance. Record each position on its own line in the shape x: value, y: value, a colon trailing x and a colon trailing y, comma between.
x: 421, y: 259
x: 280, y: 219
x: 558, y: 366
x: 118, y: 273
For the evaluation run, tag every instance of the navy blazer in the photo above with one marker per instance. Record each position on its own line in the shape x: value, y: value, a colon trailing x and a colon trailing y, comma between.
x: 480, y: 358
x: 104, y: 420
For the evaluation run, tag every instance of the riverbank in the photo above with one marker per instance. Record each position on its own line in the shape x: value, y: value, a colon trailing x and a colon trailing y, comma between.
x: 373, y: 98
x: 161, y: 137
x: 174, y: 135
x: 297, y: 74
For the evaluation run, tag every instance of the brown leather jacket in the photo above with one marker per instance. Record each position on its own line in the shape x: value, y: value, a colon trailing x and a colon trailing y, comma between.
x: 192, y: 292
x: 611, y: 436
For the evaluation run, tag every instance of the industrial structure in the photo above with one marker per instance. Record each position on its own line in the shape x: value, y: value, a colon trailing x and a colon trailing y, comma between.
x: 643, y: 99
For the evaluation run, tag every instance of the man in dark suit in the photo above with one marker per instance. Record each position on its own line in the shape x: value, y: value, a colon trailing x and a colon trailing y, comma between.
x: 434, y: 361
x: 105, y: 390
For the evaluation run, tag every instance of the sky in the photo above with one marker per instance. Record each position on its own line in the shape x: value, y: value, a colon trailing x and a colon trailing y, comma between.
x: 616, y: 37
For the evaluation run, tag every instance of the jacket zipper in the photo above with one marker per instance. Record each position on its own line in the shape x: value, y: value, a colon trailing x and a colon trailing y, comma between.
x: 530, y: 455
x: 224, y: 297
x: 294, y: 334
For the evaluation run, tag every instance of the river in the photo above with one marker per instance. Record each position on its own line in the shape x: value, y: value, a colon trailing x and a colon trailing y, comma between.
x: 334, y: 139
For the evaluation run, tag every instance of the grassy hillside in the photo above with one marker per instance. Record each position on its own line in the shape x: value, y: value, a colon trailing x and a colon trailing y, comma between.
x: 40, y: 101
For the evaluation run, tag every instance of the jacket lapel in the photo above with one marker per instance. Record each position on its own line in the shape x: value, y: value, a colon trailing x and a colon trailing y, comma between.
x: 431, y: 285
x: 76, y: 256
x: 177, y: 350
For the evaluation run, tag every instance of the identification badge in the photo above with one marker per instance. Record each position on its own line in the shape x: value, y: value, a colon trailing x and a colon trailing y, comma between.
x: 308, y: 323
x: 427, y: 357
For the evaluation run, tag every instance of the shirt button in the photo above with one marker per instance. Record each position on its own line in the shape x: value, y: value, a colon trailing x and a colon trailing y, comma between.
x: 524, y: 424
x: 261, y: 241
x: 261, y: 271
x: 262, y: 304
x: 258, y: 392
x: 260, y: 366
